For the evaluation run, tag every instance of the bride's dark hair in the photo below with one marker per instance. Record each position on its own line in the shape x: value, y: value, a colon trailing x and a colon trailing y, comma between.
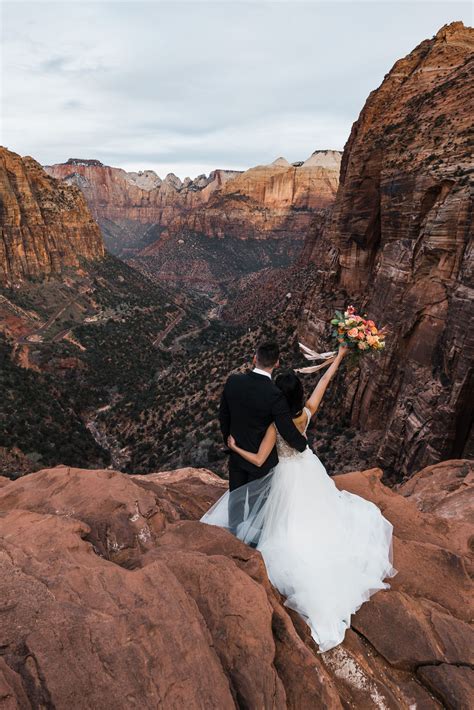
x: 292, y: 387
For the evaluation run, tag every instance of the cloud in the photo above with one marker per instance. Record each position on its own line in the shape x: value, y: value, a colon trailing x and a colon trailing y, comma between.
x: 192, y: 86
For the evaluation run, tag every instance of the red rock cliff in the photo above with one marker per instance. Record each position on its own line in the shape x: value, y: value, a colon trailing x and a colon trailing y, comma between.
x: 399, y: 244
x: 45, y: 225
x: 267, y: 201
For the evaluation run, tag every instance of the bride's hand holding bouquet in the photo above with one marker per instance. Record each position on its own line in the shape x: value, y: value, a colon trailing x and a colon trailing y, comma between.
x: 351, y: 331
x: 356, y: 332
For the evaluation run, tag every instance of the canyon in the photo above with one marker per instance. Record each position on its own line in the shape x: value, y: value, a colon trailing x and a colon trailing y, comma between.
x: 205, y: 233
x: 267, y: 201
x: 396, y: 240
x: 398, y: 245
x: 113, y: 593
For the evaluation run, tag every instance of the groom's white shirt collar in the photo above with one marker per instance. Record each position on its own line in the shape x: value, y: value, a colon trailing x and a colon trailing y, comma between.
x: 258, y: 371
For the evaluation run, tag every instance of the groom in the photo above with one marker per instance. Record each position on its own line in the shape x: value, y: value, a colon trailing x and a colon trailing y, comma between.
x: 249, y: 404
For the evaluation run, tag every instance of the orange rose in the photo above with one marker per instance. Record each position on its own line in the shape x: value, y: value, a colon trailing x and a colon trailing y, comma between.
x: 352, y: 333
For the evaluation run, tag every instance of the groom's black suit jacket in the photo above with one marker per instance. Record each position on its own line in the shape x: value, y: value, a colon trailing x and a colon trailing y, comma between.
x: 249, y: 404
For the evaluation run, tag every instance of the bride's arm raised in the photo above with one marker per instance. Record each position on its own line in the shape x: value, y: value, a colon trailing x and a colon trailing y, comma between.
x: 265, y: 448
x: 318, y: 393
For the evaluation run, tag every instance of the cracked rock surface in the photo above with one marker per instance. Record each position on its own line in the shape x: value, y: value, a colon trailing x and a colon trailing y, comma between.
x: 112, y: 594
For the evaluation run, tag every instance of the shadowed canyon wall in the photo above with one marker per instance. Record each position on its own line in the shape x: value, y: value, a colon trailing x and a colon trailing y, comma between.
x: 399, y: 246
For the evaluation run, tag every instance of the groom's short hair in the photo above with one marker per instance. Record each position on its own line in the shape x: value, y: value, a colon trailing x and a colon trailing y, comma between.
x: 267, y: 354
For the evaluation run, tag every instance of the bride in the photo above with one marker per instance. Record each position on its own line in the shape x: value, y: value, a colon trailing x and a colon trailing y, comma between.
x: 327, y: 551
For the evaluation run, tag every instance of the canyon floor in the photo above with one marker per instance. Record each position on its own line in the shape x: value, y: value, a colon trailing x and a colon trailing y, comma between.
x: 114, y: 595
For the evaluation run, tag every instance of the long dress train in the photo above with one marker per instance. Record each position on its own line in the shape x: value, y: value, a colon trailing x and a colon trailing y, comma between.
x: 327, y: 551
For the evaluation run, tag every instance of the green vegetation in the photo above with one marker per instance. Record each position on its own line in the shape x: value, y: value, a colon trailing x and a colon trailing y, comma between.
x: 39, y: 418
x: 144, y: 363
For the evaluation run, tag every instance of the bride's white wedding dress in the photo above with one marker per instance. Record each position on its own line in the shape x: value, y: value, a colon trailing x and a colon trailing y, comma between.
x: 327, y: 551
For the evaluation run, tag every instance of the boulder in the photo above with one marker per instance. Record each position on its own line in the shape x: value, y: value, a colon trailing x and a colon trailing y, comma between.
x: 446, y: 489
x: 453, y: 686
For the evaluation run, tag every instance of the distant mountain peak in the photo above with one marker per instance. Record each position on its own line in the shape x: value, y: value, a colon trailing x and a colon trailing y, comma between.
x: 281, y: 162
x: 144, y: 179
x: 173, y: 180
x: 324, y: 159
x: 84, y: 161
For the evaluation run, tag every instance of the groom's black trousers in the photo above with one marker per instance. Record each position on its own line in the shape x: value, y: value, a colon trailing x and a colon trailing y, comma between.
x: 237, y: 476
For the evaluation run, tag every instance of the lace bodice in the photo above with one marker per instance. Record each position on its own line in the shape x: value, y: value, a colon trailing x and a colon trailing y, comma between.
x: 284, y: 450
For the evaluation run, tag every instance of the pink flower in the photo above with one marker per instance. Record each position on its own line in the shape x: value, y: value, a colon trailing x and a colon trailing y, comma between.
x: 361, y: 335
x: 352, y: 333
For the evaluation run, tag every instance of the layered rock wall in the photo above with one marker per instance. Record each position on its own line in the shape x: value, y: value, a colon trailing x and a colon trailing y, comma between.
x: 399, y: 246
x: 276, y: 200
x: 45, y: 225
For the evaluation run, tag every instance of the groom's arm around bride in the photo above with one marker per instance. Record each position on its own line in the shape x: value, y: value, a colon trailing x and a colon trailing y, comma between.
x: 250, y: 403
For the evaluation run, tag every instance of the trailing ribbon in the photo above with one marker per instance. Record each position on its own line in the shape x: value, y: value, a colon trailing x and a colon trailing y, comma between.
x: 309, y: 354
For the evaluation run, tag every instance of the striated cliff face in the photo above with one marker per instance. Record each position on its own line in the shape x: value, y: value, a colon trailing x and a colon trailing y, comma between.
x: 116, y: 195
x: 45, y: 225
x: 276, y: 200
x: 112, y: 578
x: 139, y: 211
x: 399, y: 245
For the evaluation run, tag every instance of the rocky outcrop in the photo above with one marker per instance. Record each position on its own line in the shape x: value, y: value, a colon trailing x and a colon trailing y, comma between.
x: 446, y: 489
x: 139, y: 211
x: 399, y: 246
x: 114, y: 595
x: 45, y: 225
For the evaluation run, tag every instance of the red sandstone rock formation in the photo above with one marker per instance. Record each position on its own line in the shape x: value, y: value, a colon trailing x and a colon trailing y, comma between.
x: 113, y: 595
x: 274, y: 200
x: 399, y: 245
x: 116, y: 195
x: 446, y: 489
x: 45, y: 224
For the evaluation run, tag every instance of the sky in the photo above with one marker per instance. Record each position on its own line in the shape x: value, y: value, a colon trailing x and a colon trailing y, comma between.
x: 187, y: 87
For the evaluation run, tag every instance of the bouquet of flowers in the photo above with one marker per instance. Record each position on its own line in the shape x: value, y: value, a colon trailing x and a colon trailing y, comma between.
x: 349, y: 328
x: 357, y: 332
